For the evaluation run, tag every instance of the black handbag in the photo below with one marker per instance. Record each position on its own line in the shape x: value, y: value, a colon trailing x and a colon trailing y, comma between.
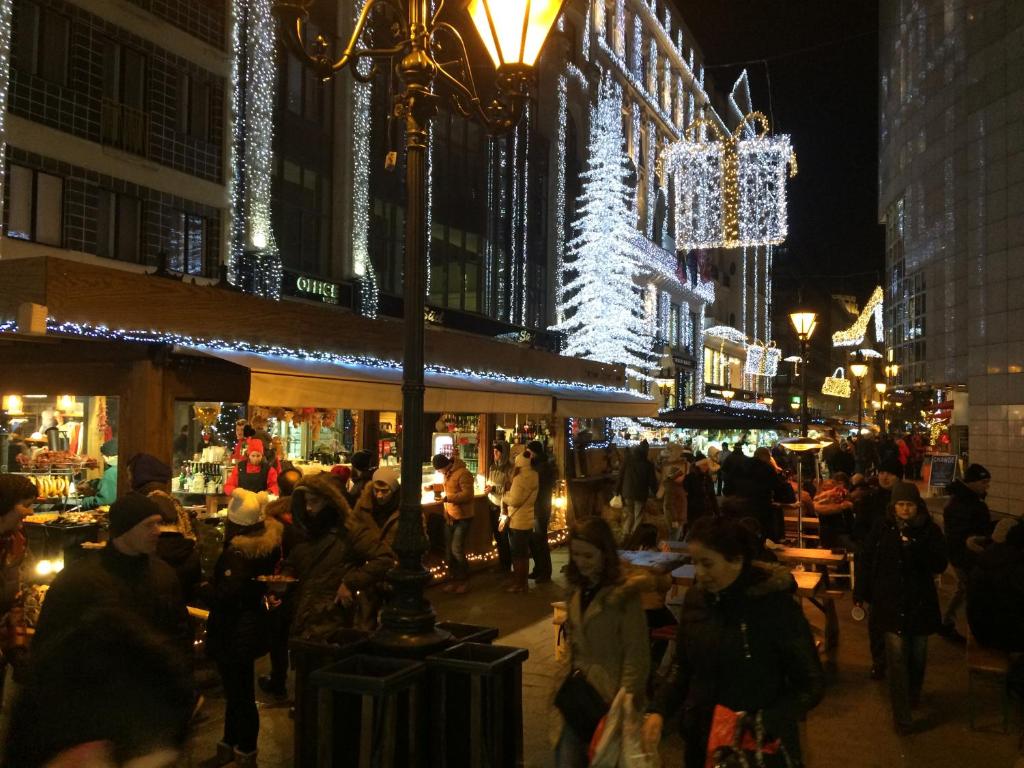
x: 581, y: 705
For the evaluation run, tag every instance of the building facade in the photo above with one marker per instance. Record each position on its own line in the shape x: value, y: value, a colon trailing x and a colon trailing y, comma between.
x: 116, y: 132
x: 180, y: 135
x: 951, y: 197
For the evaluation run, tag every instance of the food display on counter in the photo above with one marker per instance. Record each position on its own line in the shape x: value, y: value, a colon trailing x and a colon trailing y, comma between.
x: 52, y: 486
x: 41, y: 518
x: 44, y: 461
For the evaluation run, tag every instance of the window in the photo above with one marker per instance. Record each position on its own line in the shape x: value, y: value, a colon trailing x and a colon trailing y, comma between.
x: 41, y: 42
x: 193, y: 242
x: 193, y: 107
x: 118, y: 226
x: 36, y: 207
x: 124, y: 75
x: 304, y: 94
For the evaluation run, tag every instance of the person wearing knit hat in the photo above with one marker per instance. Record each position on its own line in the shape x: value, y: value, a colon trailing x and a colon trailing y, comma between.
x: 869, y: 507
x: 966, y: 515
x: 891, y: 467
x: 896, y: 572
x: 125, y: 575
x: 148, y: 473
x: 238, y: 630
x: 362, y: 471
x: 380, y: 500
x: 255, y: 473
x: 246, y: 508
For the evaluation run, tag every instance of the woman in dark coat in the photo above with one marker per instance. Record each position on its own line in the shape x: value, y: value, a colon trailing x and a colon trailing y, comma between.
x: 743, y: 643
x: 896, y: 573
x: 238, y: 630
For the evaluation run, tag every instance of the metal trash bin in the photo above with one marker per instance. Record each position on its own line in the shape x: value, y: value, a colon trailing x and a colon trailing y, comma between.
x: 306, y: 658
x: 479, y: 686
x: 361, y: 702
x: 469, y: 633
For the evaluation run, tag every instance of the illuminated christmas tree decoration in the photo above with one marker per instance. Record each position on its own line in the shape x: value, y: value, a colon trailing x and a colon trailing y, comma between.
x: 854, y: 335
x: 603, y: 321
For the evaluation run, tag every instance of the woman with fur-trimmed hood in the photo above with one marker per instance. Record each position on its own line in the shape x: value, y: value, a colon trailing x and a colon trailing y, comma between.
x: 743, y: 643
x: 238, y: 631
x: 342, y: 558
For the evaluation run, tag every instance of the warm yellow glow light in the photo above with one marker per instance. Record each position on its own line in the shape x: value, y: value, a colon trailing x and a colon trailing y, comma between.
x: 859, y: 370
x: 880, y: 387
x: 804, y: 324
x: 513, y: 31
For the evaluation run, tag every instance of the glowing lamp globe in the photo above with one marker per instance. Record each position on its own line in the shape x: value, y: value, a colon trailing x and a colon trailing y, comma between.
x: 880, y: 387
x: 859, y: 370
x: 804, y: 323
x: 513, y: 31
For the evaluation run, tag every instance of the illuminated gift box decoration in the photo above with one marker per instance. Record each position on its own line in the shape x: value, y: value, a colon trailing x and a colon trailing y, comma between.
x: 730, y: 190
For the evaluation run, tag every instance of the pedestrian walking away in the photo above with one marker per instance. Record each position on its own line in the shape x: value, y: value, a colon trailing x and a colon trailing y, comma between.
x: 966, y: 515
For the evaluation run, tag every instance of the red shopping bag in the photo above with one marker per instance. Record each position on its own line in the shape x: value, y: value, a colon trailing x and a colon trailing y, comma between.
x: 738, y: 735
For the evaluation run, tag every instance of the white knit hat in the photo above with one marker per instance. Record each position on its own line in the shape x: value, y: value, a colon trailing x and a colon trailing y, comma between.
x: 388, y: 476
x: 246, y: 508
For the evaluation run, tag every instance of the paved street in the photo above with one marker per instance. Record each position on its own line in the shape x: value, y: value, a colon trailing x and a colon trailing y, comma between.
x: 850, y: 728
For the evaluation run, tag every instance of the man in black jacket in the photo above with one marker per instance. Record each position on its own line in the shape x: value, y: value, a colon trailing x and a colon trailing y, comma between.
x: 966, y: 515
x: 125, y: 575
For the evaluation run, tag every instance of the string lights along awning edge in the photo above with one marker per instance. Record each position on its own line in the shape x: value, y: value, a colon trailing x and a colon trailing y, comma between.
x: 200, y: 344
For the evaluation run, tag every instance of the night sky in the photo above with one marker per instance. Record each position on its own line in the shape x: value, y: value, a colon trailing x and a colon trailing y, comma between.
x: 822, y: 62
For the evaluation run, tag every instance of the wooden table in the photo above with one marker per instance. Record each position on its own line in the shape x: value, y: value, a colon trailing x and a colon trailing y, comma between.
x: 808, y: 557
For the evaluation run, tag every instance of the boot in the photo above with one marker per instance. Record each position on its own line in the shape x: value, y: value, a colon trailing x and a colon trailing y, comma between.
x: 225, y: 756
x: 245, y: 759
x: 520, y: 575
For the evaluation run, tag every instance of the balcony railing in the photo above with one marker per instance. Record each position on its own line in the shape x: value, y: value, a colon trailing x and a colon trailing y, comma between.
x: 124, y: 127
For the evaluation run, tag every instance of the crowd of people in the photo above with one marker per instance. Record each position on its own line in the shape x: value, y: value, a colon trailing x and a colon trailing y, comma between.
x: 742, y: 646
x: 742, y: 642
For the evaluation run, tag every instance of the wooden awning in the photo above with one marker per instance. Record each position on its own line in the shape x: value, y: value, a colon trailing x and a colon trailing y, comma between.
x: 280, y: 381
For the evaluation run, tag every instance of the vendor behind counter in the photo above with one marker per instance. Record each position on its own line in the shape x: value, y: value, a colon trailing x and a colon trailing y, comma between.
x: 105, y: 492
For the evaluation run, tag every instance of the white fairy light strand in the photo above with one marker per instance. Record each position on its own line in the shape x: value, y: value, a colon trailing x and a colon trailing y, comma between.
x: 362, y: 124
x: 253, y: 45
x: 212, y: 344
x: 6, y: 16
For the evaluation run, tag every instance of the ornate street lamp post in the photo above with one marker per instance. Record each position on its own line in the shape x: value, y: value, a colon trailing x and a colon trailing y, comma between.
x: 859, y: 371
x: 804, y: 322
x: 728, y: 395
x: 427, y: 52
x: 880, y: 387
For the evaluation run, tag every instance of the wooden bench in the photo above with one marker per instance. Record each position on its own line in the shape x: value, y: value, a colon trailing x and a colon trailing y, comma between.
x: 991, y: 664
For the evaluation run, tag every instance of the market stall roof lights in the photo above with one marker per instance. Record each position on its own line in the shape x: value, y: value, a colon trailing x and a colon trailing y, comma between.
x: 55, y: 326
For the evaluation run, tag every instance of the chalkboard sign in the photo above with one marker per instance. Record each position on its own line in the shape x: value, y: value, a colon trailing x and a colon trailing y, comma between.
x: 943, y: 469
